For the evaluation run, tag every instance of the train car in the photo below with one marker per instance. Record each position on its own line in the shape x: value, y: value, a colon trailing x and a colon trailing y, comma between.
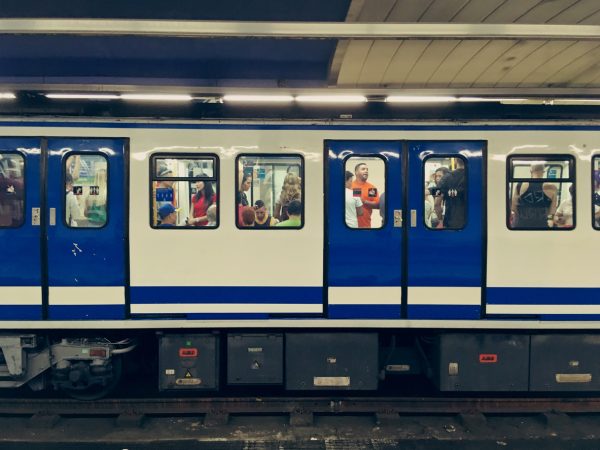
x: 321, y: 256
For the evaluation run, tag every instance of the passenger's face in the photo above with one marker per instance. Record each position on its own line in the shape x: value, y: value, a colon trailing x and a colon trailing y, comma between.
x: 246, y: 184
x: 199, y: 185
x: 261, y: 213
x: 349, y: 183
x: 438, y: 177
x: 362, y: 173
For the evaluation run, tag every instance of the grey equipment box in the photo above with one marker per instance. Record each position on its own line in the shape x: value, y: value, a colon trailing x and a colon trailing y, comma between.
x: 188, y: 361
x: 565, y: 362
x: 325, y: 361
x: 255, y: 358
x: 481, y: 362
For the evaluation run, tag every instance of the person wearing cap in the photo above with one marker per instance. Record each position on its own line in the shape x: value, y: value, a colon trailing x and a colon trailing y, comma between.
x: 168, y: 215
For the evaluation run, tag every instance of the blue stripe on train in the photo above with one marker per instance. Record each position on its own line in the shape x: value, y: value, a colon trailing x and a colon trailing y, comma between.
x: 226, y: 294
x: 543, y: 296
x: 451, y: 312
x: 84, y: 312
x: 20, y: 312
x: 364, y: 311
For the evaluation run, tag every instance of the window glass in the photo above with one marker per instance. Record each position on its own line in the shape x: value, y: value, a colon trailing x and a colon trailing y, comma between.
x: 184, y: 192
x: 12, y: 190
x: 541, y: 193
x: 86, y: 191
x: 445, y: 193
x: 364, y: 182
x: 596, y: 193
x: 269, y: 192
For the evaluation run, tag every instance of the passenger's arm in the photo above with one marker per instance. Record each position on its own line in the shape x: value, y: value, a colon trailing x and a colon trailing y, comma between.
x: 359, y: 211
x: 437, y: 207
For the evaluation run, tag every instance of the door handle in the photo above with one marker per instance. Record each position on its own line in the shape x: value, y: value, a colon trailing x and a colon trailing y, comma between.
x: 413, y: 218
x: 52, y: 220
x: 397, y: 218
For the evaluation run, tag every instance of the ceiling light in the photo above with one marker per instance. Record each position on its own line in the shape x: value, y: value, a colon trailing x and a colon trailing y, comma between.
x: 84, y: 96
x: 259, y: 98
x: 576, y: 101
x: 7, y: 95
x: 332, y: 98
x: 488, y: 99
x: 420, y: 99
x: 158, y: 97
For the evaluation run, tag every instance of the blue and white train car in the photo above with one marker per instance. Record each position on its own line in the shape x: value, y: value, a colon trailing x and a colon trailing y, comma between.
x: 470, y: 250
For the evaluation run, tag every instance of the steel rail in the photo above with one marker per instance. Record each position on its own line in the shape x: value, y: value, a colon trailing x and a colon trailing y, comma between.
x: 328, y: 405
x: 296, y: 30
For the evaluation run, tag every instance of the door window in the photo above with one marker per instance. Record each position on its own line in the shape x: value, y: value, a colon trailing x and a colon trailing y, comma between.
x: 12, y: 190
x: 364, y: 192
x: 86, y: 190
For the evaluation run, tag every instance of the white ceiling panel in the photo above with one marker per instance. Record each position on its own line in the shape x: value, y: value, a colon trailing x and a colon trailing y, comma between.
x: 539, y: 77
x: 577, y: 13
x: 453, y: 64
x: 380, y: 55
x: 431, y: 59
x: 477, y: 10
x: 519, y: 73
x: 403, y: 61
x: 409, y: 10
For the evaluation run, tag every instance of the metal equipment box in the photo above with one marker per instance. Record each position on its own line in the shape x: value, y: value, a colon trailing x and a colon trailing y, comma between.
x: 188, y: 361
x: 325, y: 361
x: 255, y: 358
x: 565, y: 362
x: 481, y: 362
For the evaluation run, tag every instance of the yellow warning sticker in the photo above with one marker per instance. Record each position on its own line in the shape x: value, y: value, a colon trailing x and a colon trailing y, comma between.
x: 188, y: 374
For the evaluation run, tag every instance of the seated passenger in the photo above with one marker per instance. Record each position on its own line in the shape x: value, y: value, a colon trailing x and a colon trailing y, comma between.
x: 263, y: 218
x: 248, y: 216
x: 211, y: 215
x: 294, y: 211
x: 167, y: 215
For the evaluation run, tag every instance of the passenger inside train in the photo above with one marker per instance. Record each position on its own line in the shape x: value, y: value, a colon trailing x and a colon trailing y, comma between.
x: 11, y: 190
x: 86, y: 191
x: 364, y: 178
x: 445, y: 193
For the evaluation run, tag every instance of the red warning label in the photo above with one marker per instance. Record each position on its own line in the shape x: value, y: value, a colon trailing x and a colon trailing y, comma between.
x: 488, y: 358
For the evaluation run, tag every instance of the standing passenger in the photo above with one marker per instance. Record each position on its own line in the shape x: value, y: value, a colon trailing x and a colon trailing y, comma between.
x: 72, y: 210
x: 354, y: 205
x: 366, y: 192
x: 263, y: 218
x: 201, y: 201
x: 534, y: 202
x: 452, y: 193
x: 294, y: 212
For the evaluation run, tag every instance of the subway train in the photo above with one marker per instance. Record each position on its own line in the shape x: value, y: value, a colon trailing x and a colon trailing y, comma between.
x: 307, y: 256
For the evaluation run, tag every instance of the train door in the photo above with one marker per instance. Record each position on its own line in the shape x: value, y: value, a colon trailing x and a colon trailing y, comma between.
x: 20, y: 232
x: 364, y: 216
x: 445, y: 242
x: 86, y: 228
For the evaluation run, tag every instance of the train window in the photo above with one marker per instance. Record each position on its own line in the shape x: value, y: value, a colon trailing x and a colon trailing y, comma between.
x: 445, y: 193
x: 12, y: 190
x: 270, y: 191
x: 596, y: 192
x: 86, y: 190
x: 184, y: 192
x: 541, y: 193
x: 364, y: 177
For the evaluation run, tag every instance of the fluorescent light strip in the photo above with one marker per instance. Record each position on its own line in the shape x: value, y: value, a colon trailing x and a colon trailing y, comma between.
x: 7, y: 96
x: 331, y: 98
x: 420, y: 99
x: 258, y: 98
x: 84, y: 96
x: 158, y: 97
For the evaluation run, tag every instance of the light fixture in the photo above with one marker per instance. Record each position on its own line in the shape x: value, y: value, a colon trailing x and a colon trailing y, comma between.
x: 488, y: 99
x: 258, y: 98
x: 420, y: 99
x: 84, y: 96
x: 158, y: 97
x: 331, y: 98
x: 7, y: 96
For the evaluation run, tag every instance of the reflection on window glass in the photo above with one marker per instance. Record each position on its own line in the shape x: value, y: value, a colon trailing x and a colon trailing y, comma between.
x: 12, y: 190
x: 184, y: 192
x: 445, y: 193
x: 269, y: 192
x: 86, y: 191
x: 541, y: 193
x: 596, y: 193
x: 364, y: 181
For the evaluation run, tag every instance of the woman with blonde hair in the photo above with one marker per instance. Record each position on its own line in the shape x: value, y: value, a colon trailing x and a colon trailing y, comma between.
x: 290, y: 191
